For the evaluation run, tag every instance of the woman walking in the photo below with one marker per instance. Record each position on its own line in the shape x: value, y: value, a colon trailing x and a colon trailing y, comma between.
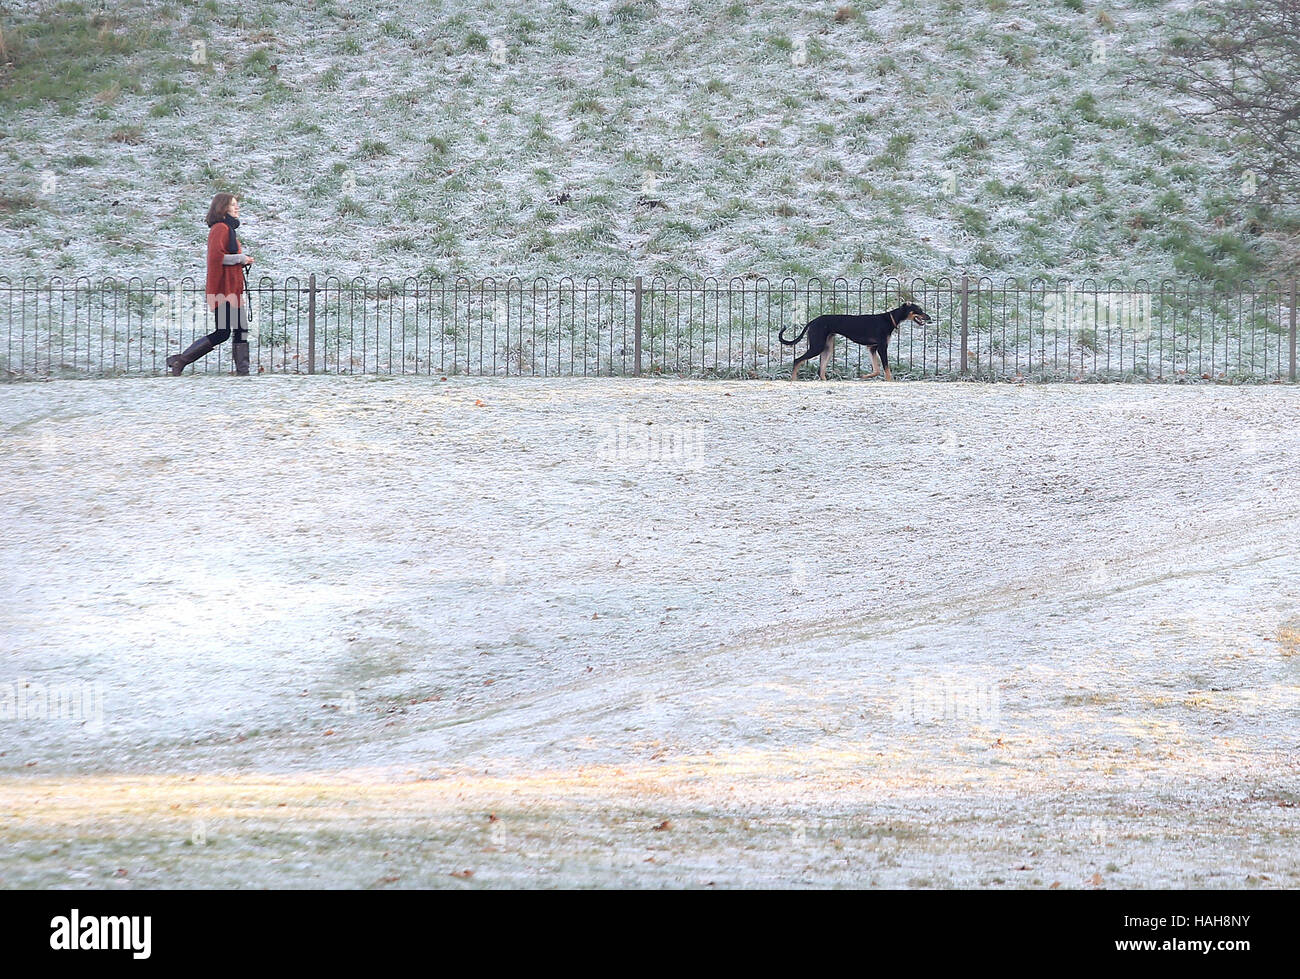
x: 225, y: 288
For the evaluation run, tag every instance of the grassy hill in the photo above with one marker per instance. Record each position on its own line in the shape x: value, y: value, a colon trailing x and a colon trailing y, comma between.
x: 431, y: 138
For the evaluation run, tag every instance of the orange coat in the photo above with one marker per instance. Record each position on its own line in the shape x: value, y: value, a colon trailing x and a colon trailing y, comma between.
x: 226, y: 281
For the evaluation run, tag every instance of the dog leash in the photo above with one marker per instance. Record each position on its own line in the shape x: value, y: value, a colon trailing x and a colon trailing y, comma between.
x: 248, y: 291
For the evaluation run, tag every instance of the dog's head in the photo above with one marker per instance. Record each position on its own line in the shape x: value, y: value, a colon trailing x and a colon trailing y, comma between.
x: 911, y: 311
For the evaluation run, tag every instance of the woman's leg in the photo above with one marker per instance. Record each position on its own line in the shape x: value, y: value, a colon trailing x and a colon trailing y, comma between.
x: 177, y: 363
x: 239, y: 349
x: 225, y: 318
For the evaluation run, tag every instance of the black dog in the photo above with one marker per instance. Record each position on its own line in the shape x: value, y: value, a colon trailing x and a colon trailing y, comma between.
x: 871, y: 331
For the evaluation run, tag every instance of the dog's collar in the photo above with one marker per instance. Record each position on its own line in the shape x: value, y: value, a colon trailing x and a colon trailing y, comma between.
x: 892, y: 324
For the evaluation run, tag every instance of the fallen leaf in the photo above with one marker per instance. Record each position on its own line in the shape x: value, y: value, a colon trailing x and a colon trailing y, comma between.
x: 1095, y: 880
x: 1054, y: 885
x: 663, y: 826
x: 463, y: 874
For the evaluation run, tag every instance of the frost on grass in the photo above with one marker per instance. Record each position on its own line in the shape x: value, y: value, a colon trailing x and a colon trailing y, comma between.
x: 654, y: 138
x: 402, y: 632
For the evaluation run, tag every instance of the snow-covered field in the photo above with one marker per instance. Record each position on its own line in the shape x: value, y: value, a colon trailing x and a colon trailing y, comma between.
x: 333, y: 631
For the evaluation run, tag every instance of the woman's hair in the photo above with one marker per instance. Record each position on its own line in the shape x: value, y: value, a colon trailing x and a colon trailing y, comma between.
x: 220, y: 205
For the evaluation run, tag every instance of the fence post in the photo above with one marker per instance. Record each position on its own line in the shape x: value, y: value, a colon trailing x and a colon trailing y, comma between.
x: 311, y: 323
x: 965, y: 310
x: 1293, y: 290
x: 637, y: 314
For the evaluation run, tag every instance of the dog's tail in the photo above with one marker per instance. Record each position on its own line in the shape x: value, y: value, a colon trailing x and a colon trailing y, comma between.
x: 790, y: 343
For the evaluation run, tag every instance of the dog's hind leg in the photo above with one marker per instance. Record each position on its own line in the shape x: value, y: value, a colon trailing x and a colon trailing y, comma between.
x: 875, y: 362
x: 794, y: 370
x: 816, y: 342
x: 884, y: 359
x: 828, y: 353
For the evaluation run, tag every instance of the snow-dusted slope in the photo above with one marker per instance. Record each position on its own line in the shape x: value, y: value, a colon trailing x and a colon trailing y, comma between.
x: 636, y: 137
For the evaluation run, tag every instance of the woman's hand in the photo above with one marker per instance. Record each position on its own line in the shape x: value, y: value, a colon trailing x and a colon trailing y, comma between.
x: 248, y: 259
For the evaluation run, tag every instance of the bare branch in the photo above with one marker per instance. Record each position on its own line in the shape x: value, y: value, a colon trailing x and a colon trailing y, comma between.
x: 1238, y: 65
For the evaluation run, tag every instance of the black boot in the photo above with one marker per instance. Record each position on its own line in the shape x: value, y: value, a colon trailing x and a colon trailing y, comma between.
x: 177, y: 363
x: 239, y: 352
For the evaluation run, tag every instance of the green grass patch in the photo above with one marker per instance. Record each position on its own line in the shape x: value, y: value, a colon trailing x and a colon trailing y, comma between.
x: 66, y: 52
x: 894, y: 155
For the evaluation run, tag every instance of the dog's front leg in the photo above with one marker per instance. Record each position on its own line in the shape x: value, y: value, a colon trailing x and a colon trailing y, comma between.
x: 875, y: 362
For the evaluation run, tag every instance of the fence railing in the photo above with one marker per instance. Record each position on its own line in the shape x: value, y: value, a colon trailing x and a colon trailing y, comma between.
x: 980, y: 328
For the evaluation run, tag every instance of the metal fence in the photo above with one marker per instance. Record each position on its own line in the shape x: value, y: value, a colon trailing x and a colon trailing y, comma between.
x: 981, y: 329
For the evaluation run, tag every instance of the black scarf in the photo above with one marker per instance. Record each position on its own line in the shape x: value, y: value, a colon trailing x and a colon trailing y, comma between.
x: 232, y: 244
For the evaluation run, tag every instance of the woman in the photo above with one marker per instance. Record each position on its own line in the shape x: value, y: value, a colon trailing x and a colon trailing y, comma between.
x: 225, y: 288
